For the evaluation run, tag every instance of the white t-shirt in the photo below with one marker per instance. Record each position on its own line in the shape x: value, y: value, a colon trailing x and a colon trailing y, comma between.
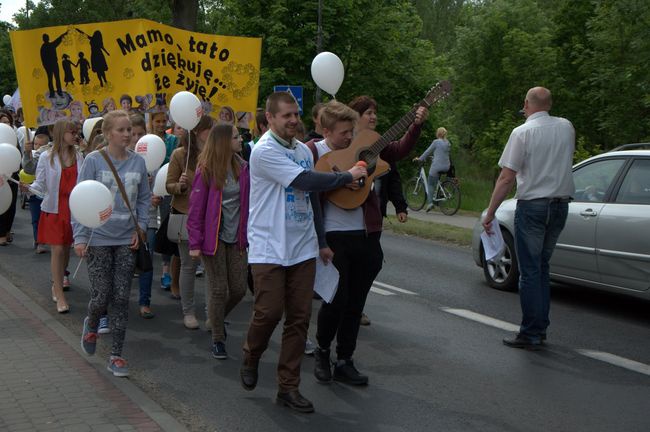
x: 336, y: 218
x: 281, y: 219
x: 541, y: 152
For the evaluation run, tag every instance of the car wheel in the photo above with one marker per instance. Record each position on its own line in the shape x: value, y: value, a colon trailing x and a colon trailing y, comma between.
x: 504, y: 273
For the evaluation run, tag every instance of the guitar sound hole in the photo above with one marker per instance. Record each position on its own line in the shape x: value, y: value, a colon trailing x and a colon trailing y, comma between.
x: 370, y: 159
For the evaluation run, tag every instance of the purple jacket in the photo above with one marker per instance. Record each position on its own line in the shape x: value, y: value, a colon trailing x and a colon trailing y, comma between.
x: 204, y: 217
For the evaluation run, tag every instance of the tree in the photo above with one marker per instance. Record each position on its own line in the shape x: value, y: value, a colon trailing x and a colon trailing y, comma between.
x: 503, y: 49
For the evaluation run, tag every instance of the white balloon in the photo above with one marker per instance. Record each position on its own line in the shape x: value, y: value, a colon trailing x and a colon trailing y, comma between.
x: 160, y: 183
x: 6, y: 99
x: 91, y: 203
x: 185, y: 109
x: 5, y: 195
x: 327, y: 72
x: 152, y: 148
x: 7, y: 134
x: 9, y: 159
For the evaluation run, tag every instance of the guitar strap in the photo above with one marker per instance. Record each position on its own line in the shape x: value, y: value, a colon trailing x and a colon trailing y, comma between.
x: 314, y: 151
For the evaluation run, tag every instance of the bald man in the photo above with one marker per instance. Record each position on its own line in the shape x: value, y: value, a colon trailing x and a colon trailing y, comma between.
x: 539, y: 155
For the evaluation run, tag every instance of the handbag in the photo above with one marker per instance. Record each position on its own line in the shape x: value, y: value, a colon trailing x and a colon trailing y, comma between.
x: 177, y: 228
x: 143, y: 262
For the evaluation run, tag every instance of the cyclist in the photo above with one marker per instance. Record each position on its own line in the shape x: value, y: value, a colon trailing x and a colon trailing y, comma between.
x: 440, y: 148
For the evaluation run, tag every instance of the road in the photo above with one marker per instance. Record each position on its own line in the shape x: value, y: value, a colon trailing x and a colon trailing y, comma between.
x: 433, y: 353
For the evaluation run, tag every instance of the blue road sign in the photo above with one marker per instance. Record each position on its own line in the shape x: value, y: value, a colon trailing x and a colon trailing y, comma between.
x: 296, y: 91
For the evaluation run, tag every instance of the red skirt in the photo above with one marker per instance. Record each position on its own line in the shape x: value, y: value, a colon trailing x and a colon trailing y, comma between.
x: 55, y: 228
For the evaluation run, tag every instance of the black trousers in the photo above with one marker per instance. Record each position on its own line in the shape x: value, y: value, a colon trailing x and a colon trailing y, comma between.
x: 358, y: 258
x: 7, y: 218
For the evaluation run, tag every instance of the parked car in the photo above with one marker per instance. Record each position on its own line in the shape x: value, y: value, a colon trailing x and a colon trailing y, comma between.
x: 606, y: 241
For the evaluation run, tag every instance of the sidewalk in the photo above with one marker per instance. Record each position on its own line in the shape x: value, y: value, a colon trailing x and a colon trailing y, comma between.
x: 437, y: 217
x: 46, y: 384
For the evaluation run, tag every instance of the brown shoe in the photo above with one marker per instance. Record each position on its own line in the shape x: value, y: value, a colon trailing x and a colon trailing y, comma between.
x: 248, y: 375
x: 365, y: 321
x: 295, y: 401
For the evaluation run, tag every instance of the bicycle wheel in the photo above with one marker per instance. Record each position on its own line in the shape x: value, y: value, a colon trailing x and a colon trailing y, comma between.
x: 450, y: 200
x: 415, y: 194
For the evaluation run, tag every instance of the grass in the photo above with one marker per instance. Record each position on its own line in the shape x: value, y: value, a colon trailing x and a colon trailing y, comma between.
x: 476, y: 181
x: 431, y: 231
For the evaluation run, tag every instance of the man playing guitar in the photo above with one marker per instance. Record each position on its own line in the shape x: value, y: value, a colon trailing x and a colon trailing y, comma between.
x: 352, y: 246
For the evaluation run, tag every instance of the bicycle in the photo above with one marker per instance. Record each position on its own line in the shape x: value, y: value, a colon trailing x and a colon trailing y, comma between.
x: 447, y: 193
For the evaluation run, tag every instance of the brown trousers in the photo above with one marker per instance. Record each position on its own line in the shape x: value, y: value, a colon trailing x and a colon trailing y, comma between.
x: 226, y: 284
x: 281, y: 290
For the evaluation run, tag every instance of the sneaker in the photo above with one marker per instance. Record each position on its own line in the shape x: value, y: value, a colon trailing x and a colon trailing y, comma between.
x: 118, y: 366
x: 219, y: 351
x: 429, y: 207
x: 365, y: 321
x: 322, y: 365
x: 103, y: 326
x: 88, y: 338
x: 66, y: 281
x: 345, y: 372
x: 309, y: 347
x: 190, y: 322
x: 199, y: 270
x: 166, y: 281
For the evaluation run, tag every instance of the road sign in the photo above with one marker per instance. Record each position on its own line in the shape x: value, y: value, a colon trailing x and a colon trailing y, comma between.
x: 296, y: 91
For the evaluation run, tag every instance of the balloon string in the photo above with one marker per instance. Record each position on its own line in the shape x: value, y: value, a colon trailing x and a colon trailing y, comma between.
x: 74, y: 276
x: 189, y: 145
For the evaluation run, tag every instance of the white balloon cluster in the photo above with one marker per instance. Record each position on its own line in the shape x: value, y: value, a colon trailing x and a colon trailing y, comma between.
x: 9, y: 163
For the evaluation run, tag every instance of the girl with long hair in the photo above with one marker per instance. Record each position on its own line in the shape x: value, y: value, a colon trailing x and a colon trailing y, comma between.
x: 216, y: 225
x: 109, y: 250
x: 56, y: 176
x: 180, y: 176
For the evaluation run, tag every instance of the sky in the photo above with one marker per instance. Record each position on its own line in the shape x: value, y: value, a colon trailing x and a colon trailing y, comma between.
x: 9, y: 7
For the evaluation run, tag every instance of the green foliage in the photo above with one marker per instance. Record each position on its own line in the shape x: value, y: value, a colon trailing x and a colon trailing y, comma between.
x: 7, y: 70
x: 592, y: 54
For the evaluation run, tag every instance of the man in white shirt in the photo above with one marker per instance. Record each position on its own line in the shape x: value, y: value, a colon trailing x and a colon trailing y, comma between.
x: 283, y: 245
x: 539, y: 155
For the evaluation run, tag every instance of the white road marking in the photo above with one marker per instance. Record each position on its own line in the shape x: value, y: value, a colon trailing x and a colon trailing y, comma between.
x: 483, y: 319
x: 606, y: 357
x: 615, y: 360
x: 381, y: 291
x: 394, y: 288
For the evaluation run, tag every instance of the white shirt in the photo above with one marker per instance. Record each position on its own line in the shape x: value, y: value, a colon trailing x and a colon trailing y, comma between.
x: 48, y: 179
x: 336, y: 218
x: 541, y: 152
x: 281, y: 219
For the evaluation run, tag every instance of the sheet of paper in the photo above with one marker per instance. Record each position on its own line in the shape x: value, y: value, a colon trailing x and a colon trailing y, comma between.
x: 327, y: 280
x: 493, y: 244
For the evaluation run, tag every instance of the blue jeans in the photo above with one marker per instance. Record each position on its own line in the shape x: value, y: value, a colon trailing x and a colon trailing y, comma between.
x: 146, y: 279
x: 35, y: 210
x: 538, y: 224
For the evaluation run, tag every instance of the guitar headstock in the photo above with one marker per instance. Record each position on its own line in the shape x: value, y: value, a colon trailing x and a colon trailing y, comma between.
x: 437, y: 93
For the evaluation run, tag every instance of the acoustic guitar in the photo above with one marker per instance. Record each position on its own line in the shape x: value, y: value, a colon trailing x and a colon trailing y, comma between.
x: 366, y: 146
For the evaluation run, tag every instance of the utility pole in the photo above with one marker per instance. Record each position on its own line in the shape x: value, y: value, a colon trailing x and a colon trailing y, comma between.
x: 319, y: 42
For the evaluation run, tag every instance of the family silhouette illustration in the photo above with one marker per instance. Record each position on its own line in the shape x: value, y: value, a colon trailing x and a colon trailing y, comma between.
x: 97, y: 63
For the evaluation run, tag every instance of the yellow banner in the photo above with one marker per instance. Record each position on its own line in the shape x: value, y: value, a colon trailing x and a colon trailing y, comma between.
x: 85, y: 70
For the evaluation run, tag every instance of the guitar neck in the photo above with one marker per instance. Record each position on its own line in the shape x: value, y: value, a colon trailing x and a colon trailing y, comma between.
x: 395, y: 131
x: 438, y: 92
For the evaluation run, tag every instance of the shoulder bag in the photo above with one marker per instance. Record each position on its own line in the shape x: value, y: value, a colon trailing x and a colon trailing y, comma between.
x: 143, y: 262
